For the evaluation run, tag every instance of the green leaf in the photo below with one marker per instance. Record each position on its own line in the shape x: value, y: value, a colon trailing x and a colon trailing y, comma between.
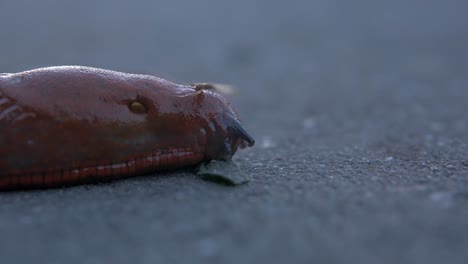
x: 222, y: 171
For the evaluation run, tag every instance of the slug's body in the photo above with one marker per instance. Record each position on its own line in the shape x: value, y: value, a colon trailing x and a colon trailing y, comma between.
x: 69, y: 125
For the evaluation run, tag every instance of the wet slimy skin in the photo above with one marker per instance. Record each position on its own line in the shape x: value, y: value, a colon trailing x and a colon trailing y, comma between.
x: 69, y: 125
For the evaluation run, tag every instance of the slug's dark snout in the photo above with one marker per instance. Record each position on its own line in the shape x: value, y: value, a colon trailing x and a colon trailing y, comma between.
x: 242, y: 134
x: 238, y: 132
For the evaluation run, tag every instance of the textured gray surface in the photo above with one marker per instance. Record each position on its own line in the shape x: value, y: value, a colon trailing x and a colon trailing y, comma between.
x: 359, y: 109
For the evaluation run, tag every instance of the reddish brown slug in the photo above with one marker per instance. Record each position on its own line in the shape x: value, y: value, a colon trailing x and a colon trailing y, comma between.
x: 71, y: 124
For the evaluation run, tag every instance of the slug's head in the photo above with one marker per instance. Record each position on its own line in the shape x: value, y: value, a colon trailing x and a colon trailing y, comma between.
x: 224, y: 131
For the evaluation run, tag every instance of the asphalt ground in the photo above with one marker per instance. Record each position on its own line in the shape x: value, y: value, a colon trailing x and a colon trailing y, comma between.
x: 359, y: 110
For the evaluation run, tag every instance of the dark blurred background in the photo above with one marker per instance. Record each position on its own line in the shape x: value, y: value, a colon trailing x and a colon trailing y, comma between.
x: 359, y: 109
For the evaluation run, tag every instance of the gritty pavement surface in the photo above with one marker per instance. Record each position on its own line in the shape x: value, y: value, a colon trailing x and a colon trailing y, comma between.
x: 359, y: 109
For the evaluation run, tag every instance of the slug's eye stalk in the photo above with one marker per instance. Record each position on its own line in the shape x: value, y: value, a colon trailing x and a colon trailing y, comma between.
x: 217, y: 87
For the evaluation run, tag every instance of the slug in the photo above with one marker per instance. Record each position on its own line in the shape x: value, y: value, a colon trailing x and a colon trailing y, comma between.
x: 69, y: 125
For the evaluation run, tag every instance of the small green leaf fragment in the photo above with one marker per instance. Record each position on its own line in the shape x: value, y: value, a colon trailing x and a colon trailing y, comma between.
x: 222, y: 171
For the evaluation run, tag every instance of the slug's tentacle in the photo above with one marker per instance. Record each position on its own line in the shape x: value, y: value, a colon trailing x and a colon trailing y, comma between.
x: 218, y: 87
